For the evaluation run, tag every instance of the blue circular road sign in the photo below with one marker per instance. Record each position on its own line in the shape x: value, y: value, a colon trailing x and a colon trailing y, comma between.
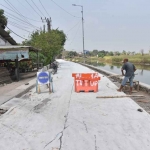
x: 43, y: 77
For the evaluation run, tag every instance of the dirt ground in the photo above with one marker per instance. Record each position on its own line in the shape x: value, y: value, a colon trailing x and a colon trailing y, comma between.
x: 144, y: 102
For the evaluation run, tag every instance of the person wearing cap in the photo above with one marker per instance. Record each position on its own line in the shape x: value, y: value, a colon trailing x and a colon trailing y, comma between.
x: 129, y: 74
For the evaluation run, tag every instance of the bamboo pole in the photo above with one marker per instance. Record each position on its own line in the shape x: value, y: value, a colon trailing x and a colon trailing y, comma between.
x: 113, y: 75
x: 120, y: 96
x: 118, y: 75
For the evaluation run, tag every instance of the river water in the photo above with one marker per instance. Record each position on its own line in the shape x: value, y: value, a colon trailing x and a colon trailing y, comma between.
x: 143, y: 71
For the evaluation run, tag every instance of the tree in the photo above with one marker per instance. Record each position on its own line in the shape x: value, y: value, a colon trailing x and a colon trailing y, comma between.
x: 50, y: 43
x: 142, y: 51
x: 116, y: 53
x: 101, y: 55
x: 124, y: 52
x: 133, y: 53
x: 110, y: 53
x: 95, y: 52
x: 128, y: 53
x: 72, y: 54
x: 3, y: 19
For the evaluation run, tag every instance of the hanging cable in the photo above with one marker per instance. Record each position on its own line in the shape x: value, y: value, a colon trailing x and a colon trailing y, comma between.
x: 20, y: 20
x: 19, y: 27
x: 37, y: 7
x: 19, y: 13
x: 73, y: 27
x: 18, y: 24
x: 16, y: 33
x: 64, y: 9
x: 33, y: 8
x: 75, y: 34
x: 14, y: 8
x: 44, y: 8
x: 16, y: 17
x: 24, y: 6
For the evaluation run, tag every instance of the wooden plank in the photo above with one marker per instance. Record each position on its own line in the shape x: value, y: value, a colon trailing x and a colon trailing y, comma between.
x: 120, y: 96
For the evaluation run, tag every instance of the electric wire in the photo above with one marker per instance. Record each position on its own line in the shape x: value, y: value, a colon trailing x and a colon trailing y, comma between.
x: 73, y: 27
x: 18, y: 27
x: 75, y: 34
x: 18, y: 24
x: 19, y: 13
x: 37, y: 7
x: 33, y: 8
x: 15, y: 17
x: 24, y: 6
x: 20, y: 20
x: 64, y: 10
x: 14, y: 8
x: 44, y: 8
x: 16, y: 33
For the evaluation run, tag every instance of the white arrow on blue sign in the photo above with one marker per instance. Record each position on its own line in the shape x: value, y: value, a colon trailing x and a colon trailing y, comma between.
x: 43, y: 77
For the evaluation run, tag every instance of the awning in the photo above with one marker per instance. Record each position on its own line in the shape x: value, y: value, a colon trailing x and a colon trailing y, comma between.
x: 16, y: 52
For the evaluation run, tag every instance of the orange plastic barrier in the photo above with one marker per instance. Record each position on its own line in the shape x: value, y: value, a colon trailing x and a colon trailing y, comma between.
x: 86, y: 82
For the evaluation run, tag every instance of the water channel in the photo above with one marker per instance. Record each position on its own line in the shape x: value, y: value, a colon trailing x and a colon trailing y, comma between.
x: 143, y: 71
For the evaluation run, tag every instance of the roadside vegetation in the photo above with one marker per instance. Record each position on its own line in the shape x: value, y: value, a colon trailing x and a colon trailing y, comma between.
x: 110, y: 57
x: 51, y: 44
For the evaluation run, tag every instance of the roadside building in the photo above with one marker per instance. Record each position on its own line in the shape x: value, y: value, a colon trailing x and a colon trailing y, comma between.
x: 5, y: 38
x: 12, y: 56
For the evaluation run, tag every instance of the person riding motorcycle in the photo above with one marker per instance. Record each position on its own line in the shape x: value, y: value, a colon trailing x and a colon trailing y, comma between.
x: 54, y: 66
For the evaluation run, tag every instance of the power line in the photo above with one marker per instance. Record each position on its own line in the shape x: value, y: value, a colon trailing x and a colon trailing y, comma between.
x: 14, y: 8
x: 32, y: 8
x: 64, y: 9
x: 23, y: 5
x: 16, y: 33
x: 18, y: 24
x: 15, y: 17
x: 73, y: 27
x: 75, y: 34
x: 19, y: 14
x: 37, y: 7
x: 20, y: 20
x: 44, y: 8
x: 19, y: 27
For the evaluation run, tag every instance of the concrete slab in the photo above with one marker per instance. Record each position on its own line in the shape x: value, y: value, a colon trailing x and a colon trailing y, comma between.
x: 16, y: 91
x: 67, y: 120
x: 5, y: 98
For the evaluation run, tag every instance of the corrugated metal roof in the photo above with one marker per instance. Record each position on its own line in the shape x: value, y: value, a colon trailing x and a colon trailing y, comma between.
x: 18, y: 47
x: 7, y: 37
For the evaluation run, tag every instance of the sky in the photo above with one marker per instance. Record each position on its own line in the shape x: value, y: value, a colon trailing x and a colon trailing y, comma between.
x: 111, y: 25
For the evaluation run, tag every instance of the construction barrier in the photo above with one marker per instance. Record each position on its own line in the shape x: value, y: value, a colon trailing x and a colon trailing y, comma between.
x: 86, y: 82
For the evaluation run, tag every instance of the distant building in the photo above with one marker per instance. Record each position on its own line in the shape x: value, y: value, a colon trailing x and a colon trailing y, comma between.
x: 5, y: 38
x: 86, y: 51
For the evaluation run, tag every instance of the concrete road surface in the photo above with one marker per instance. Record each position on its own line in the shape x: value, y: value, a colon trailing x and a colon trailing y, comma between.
x: 65, y: 120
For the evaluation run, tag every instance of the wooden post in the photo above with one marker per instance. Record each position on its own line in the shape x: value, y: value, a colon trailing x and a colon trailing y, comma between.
x: 17, y: 69
x: 37, y: 60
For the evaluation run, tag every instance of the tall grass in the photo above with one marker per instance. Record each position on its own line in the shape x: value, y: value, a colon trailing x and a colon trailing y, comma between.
x: 139, y: 59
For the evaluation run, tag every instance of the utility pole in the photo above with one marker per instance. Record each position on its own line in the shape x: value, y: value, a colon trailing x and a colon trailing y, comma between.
x: 44, y: 28
x: 83, y: 33
x: 49, y: 23
x: 43, y: 20
x: 48, y: 20
x: 82, y: 29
